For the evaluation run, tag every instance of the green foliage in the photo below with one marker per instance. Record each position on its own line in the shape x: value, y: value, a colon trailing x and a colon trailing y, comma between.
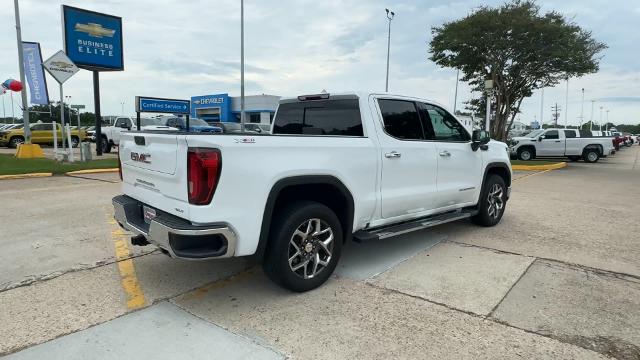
x: 49, y: 113
x: 10, y: 165
x: 519, y: 48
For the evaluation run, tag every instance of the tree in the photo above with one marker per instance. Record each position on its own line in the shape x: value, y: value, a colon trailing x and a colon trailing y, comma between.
x: 50, y: 113
x: 517, y: 47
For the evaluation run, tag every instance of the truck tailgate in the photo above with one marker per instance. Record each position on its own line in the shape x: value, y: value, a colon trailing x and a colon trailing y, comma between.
x: 154, y: 170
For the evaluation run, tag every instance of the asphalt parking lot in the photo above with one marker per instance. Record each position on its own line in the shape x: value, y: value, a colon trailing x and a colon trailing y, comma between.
x: 559, y: 277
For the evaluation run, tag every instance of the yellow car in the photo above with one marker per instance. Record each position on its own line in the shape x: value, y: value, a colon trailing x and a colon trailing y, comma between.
x: 41, y: 133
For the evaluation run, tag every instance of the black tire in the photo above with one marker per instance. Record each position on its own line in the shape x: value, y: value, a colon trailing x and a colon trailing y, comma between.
x: 106, y: 145
x: 525, y: 154
x: 15, y: 141
x: 75, y: 141
x: 574, y: 158
x: 280, y: 249
x: 591, y: 155
x: 485, y: 216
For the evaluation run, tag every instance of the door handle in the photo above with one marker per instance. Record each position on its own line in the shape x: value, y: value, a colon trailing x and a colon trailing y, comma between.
x: 393, y: 154
x: 445, y: 153
x: 557, y: 140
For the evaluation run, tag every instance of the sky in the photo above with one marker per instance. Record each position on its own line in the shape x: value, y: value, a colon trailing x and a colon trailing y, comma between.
x: 179, y: 49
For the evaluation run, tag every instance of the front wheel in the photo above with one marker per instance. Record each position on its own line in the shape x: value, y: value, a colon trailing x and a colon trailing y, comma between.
x: 492, y: 203
x: 305, y: 244
x: 525, y: 154
x: 15, y: 141
x: 106, y: 145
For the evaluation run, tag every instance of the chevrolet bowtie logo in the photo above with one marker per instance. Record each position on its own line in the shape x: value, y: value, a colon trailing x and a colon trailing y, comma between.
x: 94, y: 30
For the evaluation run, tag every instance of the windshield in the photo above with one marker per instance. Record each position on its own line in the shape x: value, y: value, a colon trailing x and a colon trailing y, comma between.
x: 149, y: 122
x: 197, y: 122
x: 534, y: 133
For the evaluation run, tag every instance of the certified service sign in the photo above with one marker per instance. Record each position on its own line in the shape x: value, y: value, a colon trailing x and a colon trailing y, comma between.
x: 60, y: 67
x: 92, y: 40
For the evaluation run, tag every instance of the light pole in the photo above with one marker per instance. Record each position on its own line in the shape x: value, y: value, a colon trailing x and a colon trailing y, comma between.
x: 25, y: 105
x: 593, y: 102
x: 542, y: 109
x: 121, y: 108
x: 601, y: 107
x: 566, y: 105
x: 607, y: 123
x: 242, y: 65
x: 455, y: 97
x: 582, y: 109
x: 390, y: 15
x: 488, y: 87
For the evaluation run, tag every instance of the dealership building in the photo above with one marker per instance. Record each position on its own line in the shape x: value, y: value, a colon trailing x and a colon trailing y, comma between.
x: 259, y: 109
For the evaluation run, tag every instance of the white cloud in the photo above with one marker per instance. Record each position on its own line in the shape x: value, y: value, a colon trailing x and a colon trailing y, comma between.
x: 179, y: 49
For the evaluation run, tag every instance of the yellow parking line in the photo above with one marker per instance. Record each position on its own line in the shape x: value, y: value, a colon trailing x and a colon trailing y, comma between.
x: 128, y: 278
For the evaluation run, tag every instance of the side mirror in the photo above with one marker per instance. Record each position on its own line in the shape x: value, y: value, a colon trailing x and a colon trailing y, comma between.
x: 479, y: 138
x: 540, y: 138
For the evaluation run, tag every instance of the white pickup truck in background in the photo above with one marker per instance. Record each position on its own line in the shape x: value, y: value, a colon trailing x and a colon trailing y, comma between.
x: 334, y: 168
x: 568, y: 143
x: 111, y: 134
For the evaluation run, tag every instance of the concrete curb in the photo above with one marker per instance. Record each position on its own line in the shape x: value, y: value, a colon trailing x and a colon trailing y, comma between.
x: 555, y: 166
x: 25, y: 176
x: 92, y: 171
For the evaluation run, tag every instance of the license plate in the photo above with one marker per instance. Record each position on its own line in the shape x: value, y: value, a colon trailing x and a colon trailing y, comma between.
x: 148, y: 213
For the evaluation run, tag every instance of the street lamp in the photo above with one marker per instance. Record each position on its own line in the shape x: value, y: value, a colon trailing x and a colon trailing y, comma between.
x: 605, y: 125
x: 593, y: 102
x: 242, y: 115
x: 122, y: 108
x: 390, y: 15
x: 601, y: 107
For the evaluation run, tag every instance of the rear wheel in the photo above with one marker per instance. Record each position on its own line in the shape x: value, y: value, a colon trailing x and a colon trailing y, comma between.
x: 525, y: 154
x: 492, y: 203
x: 591, y: 155
x: 106, y: 145
x: 304, y: 246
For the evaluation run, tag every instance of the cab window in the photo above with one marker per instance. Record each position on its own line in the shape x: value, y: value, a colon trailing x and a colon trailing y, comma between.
x: 569, y: 134
x: 440, y: 125
x: 551, y: 134
x: 401, y: 119
x: 122, y: 121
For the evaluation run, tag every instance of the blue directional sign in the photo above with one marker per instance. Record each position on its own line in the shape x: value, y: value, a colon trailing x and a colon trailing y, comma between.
x: 92, y: 40
x: 159, y: 105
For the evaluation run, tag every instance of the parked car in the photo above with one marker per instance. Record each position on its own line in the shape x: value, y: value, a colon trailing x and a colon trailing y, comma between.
x: 41, y: 133
x: 195, y: 125
x: 256, y: 128
x: 336, y: 167
x: 567, y: 143
x: 228, y: 127
x: 111, y: 134
x: 91, y: 133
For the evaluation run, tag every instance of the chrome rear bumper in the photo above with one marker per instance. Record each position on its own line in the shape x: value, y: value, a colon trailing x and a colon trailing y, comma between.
x: 178, y: 237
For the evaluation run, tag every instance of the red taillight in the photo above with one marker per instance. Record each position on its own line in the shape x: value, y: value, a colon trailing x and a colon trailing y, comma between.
x: 203, y: 169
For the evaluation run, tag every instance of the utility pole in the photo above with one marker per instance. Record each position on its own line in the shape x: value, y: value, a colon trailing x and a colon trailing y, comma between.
x: 390, y: 15
x: 607, y: 123
x: 601, y: 107
x: 242, y: 120
x: 556, y: 114
x: 25, y: 104
x: 122, y: 108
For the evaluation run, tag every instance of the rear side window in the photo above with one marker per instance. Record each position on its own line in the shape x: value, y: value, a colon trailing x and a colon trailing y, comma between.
x: 585, y: 133
x: 569, y: 134
x: 330, y: 117
x: 552, y: 134
x: 401, y: 119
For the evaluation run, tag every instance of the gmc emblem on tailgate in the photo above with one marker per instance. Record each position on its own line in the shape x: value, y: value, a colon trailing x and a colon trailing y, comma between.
x: 143, y: 158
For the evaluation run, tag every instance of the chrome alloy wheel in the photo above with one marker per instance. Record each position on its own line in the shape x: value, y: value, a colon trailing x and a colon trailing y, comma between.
x: 495, y: 199
x: 592, y: 156
x: 310, y: 248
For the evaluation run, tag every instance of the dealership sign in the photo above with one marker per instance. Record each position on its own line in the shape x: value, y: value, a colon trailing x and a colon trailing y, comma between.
x: 92, y: 40
x: 60, y: 67
x: 34, y: 73
x: 159, y: 105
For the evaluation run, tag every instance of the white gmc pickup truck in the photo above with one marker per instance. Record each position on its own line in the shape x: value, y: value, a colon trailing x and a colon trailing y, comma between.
x: 335, y: 167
